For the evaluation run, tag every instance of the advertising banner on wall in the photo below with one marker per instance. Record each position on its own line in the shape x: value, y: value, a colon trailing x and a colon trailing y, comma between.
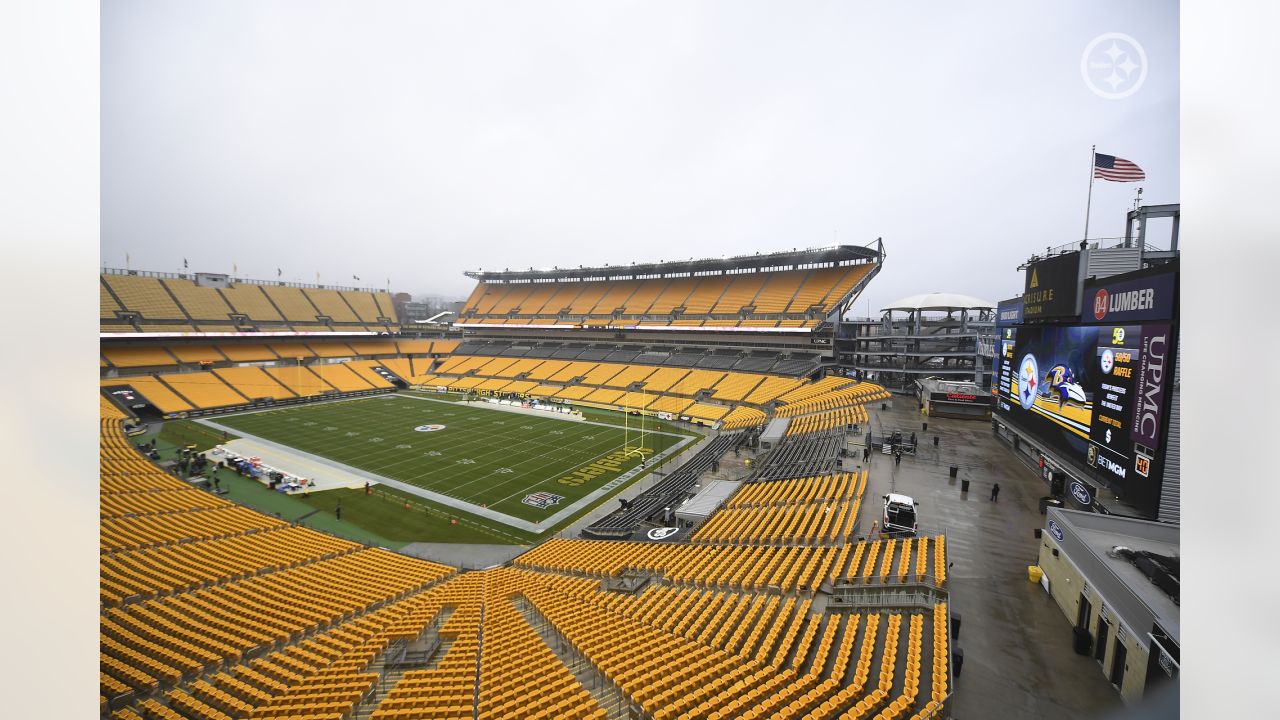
x: 128, y: 397
x: 1081, y: 494
x: 962, y: 398
x: 1154, y: 373
x: 1141, y: 296
x: 1009, y: 312
x: 1052, y: 288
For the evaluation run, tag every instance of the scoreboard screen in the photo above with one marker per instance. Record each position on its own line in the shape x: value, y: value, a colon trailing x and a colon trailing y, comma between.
x: 1050, y: 383
x: 1095, y: 393
x: 1115, y: 387
x: 1004, y: 365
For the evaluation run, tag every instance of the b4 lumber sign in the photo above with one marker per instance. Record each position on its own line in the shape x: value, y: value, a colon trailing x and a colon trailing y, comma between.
x: 1139, y: 296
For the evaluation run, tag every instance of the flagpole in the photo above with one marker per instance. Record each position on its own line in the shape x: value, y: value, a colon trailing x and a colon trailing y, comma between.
x: 1093, y: 158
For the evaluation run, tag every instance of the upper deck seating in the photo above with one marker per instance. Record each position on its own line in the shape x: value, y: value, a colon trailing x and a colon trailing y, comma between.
x: 800, y: 298
x: 145, y: 296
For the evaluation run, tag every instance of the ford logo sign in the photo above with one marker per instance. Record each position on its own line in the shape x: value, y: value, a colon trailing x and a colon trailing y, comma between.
x: 1055, y: 531
x: 1081, y: 494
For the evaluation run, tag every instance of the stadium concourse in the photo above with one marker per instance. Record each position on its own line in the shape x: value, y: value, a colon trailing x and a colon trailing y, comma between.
x: 780, y: 602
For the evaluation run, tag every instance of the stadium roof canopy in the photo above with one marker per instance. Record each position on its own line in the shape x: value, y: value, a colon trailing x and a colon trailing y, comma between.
x: 784, y: 260
x: 940, y: 301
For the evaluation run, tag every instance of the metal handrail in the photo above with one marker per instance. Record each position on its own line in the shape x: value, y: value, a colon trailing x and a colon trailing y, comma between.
x: 236, y: 280
x: 1103, y: 243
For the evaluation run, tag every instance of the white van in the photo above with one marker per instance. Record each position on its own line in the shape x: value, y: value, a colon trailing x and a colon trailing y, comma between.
x: 899, y: 515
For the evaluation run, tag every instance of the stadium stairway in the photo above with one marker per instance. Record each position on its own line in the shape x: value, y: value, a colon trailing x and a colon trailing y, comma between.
x: 606, y: 694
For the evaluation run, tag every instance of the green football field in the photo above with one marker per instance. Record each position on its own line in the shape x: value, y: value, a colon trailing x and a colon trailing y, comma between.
x: 479, y: 455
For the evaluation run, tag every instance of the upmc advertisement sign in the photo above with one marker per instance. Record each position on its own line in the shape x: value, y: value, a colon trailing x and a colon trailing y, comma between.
x: 1096, y: 394
x: 1051, y: 288
x: 1154, y: 375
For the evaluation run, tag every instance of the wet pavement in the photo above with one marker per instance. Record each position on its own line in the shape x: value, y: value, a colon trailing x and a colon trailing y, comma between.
x: 1018, y: 661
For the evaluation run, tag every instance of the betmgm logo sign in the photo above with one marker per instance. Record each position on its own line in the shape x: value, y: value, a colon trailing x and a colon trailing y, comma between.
x: 1097, y: 459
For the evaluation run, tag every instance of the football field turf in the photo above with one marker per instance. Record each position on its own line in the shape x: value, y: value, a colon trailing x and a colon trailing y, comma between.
x: 467, y: 451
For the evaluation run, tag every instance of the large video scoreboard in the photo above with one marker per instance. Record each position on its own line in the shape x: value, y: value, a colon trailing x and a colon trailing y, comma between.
x: 1099, y: 393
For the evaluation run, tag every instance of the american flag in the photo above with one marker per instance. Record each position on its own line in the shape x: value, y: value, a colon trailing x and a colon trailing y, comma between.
x: 1110, y: 167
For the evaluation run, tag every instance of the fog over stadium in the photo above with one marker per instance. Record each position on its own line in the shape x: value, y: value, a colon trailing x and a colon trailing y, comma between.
x: 440, y: 137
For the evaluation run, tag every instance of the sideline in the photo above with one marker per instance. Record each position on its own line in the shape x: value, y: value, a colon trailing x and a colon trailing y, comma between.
x: 538, y: 413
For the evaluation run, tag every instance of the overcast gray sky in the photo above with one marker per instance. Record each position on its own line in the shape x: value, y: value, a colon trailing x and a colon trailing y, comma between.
x: 415, y: 140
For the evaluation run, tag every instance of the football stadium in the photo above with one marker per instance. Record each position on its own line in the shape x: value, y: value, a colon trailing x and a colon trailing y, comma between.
x: 732, y: 362
x: 643, y: 491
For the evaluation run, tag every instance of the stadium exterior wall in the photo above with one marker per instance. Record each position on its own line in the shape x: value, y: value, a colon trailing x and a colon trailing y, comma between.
x: 1171, y: 489
x: 1068, y: 586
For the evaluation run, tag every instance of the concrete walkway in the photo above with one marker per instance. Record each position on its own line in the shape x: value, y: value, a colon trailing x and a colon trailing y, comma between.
x: 467, y: 557
x: 1017, y: 643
